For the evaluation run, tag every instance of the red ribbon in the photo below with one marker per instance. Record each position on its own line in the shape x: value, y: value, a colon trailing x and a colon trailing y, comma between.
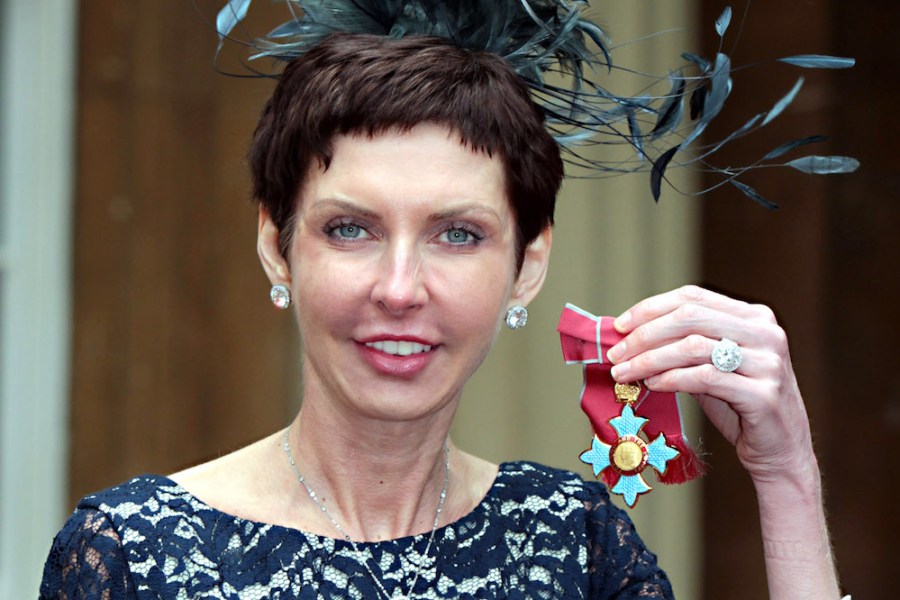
x: 585, y: 340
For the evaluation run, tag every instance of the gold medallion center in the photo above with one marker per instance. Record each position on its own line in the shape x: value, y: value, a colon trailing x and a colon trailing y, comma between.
x: 628, y: 456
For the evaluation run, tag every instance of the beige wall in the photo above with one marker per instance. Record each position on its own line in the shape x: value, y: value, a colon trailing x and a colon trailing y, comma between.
x: 612, y: 246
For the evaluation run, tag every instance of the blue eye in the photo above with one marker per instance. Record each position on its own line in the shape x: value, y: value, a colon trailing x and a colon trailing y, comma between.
x: 350, y: 231
x: 458, y: 236
x: 346, y: 231
x: 461, y: 234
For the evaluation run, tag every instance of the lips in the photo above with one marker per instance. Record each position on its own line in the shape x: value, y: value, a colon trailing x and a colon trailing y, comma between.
x: 399, y: 347
x: 396, y: 356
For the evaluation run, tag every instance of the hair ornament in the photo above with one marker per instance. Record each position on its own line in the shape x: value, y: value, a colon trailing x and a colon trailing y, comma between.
x: 541, y: 37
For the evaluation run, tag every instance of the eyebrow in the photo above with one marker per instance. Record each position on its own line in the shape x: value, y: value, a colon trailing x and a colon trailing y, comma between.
x: 463, y: 211
x: 344, y: 205
x: 456, y: 212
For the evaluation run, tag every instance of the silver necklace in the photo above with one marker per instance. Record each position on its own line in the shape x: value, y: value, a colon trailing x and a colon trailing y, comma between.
x: 365, y: 557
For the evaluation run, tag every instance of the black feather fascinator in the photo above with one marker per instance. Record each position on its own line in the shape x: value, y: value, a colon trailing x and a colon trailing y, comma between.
x: 551, y: 41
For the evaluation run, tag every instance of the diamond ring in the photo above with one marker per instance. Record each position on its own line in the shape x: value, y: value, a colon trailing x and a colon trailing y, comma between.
x: 726, y: 356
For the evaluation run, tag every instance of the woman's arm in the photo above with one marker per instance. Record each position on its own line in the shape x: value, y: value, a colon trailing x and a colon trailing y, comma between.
x: 758, y: 408
x: 798, y: 556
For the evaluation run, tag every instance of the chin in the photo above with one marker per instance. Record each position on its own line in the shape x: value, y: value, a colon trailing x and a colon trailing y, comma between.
x: 404, y: 403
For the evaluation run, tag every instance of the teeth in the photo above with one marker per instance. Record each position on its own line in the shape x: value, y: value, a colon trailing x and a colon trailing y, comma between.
x: 399, y: 348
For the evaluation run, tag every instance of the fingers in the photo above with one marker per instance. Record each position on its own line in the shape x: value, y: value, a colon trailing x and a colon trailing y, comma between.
x: 677, y: 331
x: 662, y: 304
x: 691, y: 310
x: 695, y: 319
x: 690, y: 351
x: 705, y: 379
x: 671, y: 340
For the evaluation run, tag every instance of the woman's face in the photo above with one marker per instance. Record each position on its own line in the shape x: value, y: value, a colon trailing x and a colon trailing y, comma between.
x: 402, y: 266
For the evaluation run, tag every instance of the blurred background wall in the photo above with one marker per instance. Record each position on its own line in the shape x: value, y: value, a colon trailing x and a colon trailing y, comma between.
x: 136, y: 335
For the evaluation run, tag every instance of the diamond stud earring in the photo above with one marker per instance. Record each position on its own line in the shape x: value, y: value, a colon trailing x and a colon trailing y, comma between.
x: 516, y: 317
x: 280, y: 296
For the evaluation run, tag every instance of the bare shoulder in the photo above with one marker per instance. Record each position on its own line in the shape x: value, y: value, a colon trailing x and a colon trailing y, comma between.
x: 472, y: 478
x: 235, y: 483
x: 482, y: 473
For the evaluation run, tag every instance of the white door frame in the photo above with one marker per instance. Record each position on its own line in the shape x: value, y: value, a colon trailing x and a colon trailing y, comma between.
x: 37, y: 102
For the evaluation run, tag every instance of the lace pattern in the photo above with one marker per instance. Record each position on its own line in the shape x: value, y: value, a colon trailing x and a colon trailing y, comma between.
x: 539, y: 533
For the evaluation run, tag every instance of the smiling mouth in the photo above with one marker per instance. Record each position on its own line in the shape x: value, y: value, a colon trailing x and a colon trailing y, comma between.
x: 399, y: 348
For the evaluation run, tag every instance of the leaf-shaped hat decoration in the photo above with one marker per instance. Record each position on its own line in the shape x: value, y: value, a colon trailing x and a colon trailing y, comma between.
x: 539, y: 37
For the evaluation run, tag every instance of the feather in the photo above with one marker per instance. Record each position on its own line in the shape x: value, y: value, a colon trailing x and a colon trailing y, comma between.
x: 231, y: 14
x: 753, y: 194
x: 719, y: 89
x: 698, y: 101
x: 290, y: 29
x: 723, y: 21
x: 783, y: 103
x: 818, y: 61
x: 634, y: 131
x: 701, y: 63
x: 598, y: 36
x: 671, y: 112
x: 659, y: 170
x: 787, y: 147
x: 824, y: 165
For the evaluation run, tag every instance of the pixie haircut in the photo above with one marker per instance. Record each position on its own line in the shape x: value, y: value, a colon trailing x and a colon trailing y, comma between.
x: 367, y: 84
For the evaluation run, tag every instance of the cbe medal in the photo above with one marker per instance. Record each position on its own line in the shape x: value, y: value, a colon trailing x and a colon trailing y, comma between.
x: 634, y: 428
x: 629, y: 455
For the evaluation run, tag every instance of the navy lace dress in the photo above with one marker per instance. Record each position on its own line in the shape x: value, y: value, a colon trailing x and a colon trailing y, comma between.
x: 539, y: 533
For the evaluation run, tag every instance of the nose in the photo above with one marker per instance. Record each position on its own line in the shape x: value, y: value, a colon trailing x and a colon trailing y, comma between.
x: 400, y: 285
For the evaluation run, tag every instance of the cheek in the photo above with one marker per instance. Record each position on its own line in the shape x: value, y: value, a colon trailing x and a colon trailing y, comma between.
x: 473, y: 321
x: 326, y: 291
x: 473, y: 296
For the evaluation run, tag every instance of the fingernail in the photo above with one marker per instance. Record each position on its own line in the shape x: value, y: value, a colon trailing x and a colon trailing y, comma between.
x: 651, y: 381
x: 620, y: 371
x: 616, y: 352
x: 623, y: 321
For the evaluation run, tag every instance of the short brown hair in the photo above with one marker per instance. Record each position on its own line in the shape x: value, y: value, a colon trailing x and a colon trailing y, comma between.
x: 353, y: 83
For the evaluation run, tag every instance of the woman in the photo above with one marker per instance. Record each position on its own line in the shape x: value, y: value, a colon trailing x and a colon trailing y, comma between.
x: 406, y: 191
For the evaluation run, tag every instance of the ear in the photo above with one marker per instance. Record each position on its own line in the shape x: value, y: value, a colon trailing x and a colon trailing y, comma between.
x: 534, y: 269
x: 273, y: 263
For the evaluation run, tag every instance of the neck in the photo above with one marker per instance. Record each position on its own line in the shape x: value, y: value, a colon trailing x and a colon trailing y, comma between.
x: 378, y: 480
